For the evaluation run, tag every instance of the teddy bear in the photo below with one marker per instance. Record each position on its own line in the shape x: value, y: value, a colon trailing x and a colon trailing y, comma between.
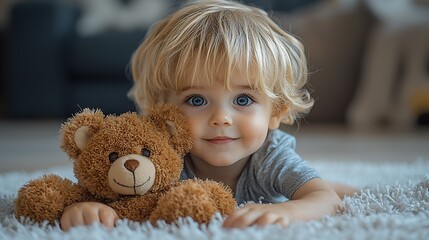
x: 130, y: 162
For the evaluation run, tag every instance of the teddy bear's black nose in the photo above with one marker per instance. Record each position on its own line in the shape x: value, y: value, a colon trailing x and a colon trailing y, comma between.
x: 131, y: 165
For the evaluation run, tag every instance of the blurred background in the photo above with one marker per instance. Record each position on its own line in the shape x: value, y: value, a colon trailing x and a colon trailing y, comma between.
x: 368, y: 59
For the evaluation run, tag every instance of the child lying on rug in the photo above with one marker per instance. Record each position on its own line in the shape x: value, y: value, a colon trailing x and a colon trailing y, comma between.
x: 237, y: 76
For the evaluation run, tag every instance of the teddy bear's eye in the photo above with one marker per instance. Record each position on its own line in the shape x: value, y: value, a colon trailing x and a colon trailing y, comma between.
x: 145, y: 152
x: 113, y: 156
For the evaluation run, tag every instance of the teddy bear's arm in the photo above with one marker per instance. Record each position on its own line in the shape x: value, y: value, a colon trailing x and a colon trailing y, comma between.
x: 136, y: 208
x: 198, y: 199
x: 45, y: 198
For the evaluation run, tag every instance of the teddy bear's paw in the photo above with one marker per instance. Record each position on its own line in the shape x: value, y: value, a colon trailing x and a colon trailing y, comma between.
x: 221, y: 195
x: 45, y: 198
x: 186, y: 200
x: 197, y: 199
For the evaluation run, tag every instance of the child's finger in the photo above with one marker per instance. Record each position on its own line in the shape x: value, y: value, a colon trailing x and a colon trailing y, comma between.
x: 70, y: 217
x: 267, y: 218
x: 77, y: 219
x: 108, y: 217
x: 90, y: 216
x: 242, y: 218
x: 65, y: 223
x: 284, y: 222
x: 233, y: 216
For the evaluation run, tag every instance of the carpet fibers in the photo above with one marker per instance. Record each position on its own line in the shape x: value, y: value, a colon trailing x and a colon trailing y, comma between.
x: 393, y: 204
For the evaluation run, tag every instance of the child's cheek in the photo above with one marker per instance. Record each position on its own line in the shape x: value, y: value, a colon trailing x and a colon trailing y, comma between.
x: 195, y: 127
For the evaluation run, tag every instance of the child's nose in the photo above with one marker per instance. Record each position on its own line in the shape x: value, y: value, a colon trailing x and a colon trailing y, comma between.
x: 221, y: 117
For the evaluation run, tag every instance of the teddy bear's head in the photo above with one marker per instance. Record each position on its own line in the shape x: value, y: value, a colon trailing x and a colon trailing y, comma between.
x: 129, y: 154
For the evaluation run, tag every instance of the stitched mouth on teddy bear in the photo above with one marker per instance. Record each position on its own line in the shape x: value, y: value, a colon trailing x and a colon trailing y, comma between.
x: 133, y: 187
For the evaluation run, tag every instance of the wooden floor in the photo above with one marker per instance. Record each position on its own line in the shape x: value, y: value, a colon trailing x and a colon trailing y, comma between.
x: 31, y: 145
x: 341, y: 143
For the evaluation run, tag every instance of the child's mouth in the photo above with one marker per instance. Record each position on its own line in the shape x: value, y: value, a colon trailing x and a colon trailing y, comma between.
x: 221, y: 140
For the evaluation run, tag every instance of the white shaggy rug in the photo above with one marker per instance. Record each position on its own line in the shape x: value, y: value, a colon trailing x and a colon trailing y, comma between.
x: 393, y: 204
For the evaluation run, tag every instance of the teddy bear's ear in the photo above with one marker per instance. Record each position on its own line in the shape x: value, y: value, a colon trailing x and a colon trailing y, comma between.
x: 170, y: 119
x: 78, y: 129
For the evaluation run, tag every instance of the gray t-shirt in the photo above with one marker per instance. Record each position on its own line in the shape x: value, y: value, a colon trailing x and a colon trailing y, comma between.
x: 272, y: 174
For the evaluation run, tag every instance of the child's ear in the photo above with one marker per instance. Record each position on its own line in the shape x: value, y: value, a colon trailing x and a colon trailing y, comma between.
x: 277, y: 117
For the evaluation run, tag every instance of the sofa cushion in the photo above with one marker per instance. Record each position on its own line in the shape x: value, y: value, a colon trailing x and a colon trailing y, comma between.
x: 101, y: 56
x: 334, y: 36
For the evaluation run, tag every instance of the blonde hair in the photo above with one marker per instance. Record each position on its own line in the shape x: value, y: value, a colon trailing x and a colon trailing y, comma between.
x: 212, y: 38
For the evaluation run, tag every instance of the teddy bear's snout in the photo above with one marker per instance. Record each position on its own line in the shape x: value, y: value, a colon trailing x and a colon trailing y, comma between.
x: 131, y: 175
x: 131, y: 165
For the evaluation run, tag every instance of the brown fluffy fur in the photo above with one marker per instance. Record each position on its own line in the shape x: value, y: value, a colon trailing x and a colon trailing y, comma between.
x: 167, y: 199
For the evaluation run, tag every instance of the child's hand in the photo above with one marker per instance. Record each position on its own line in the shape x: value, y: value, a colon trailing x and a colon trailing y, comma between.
x: 86, y: 213
x: 313, y: 200
x: 258, y: 214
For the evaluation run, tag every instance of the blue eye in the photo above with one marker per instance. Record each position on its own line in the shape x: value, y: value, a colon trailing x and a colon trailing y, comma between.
x: 243, y: 100
x: 196, y: 101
